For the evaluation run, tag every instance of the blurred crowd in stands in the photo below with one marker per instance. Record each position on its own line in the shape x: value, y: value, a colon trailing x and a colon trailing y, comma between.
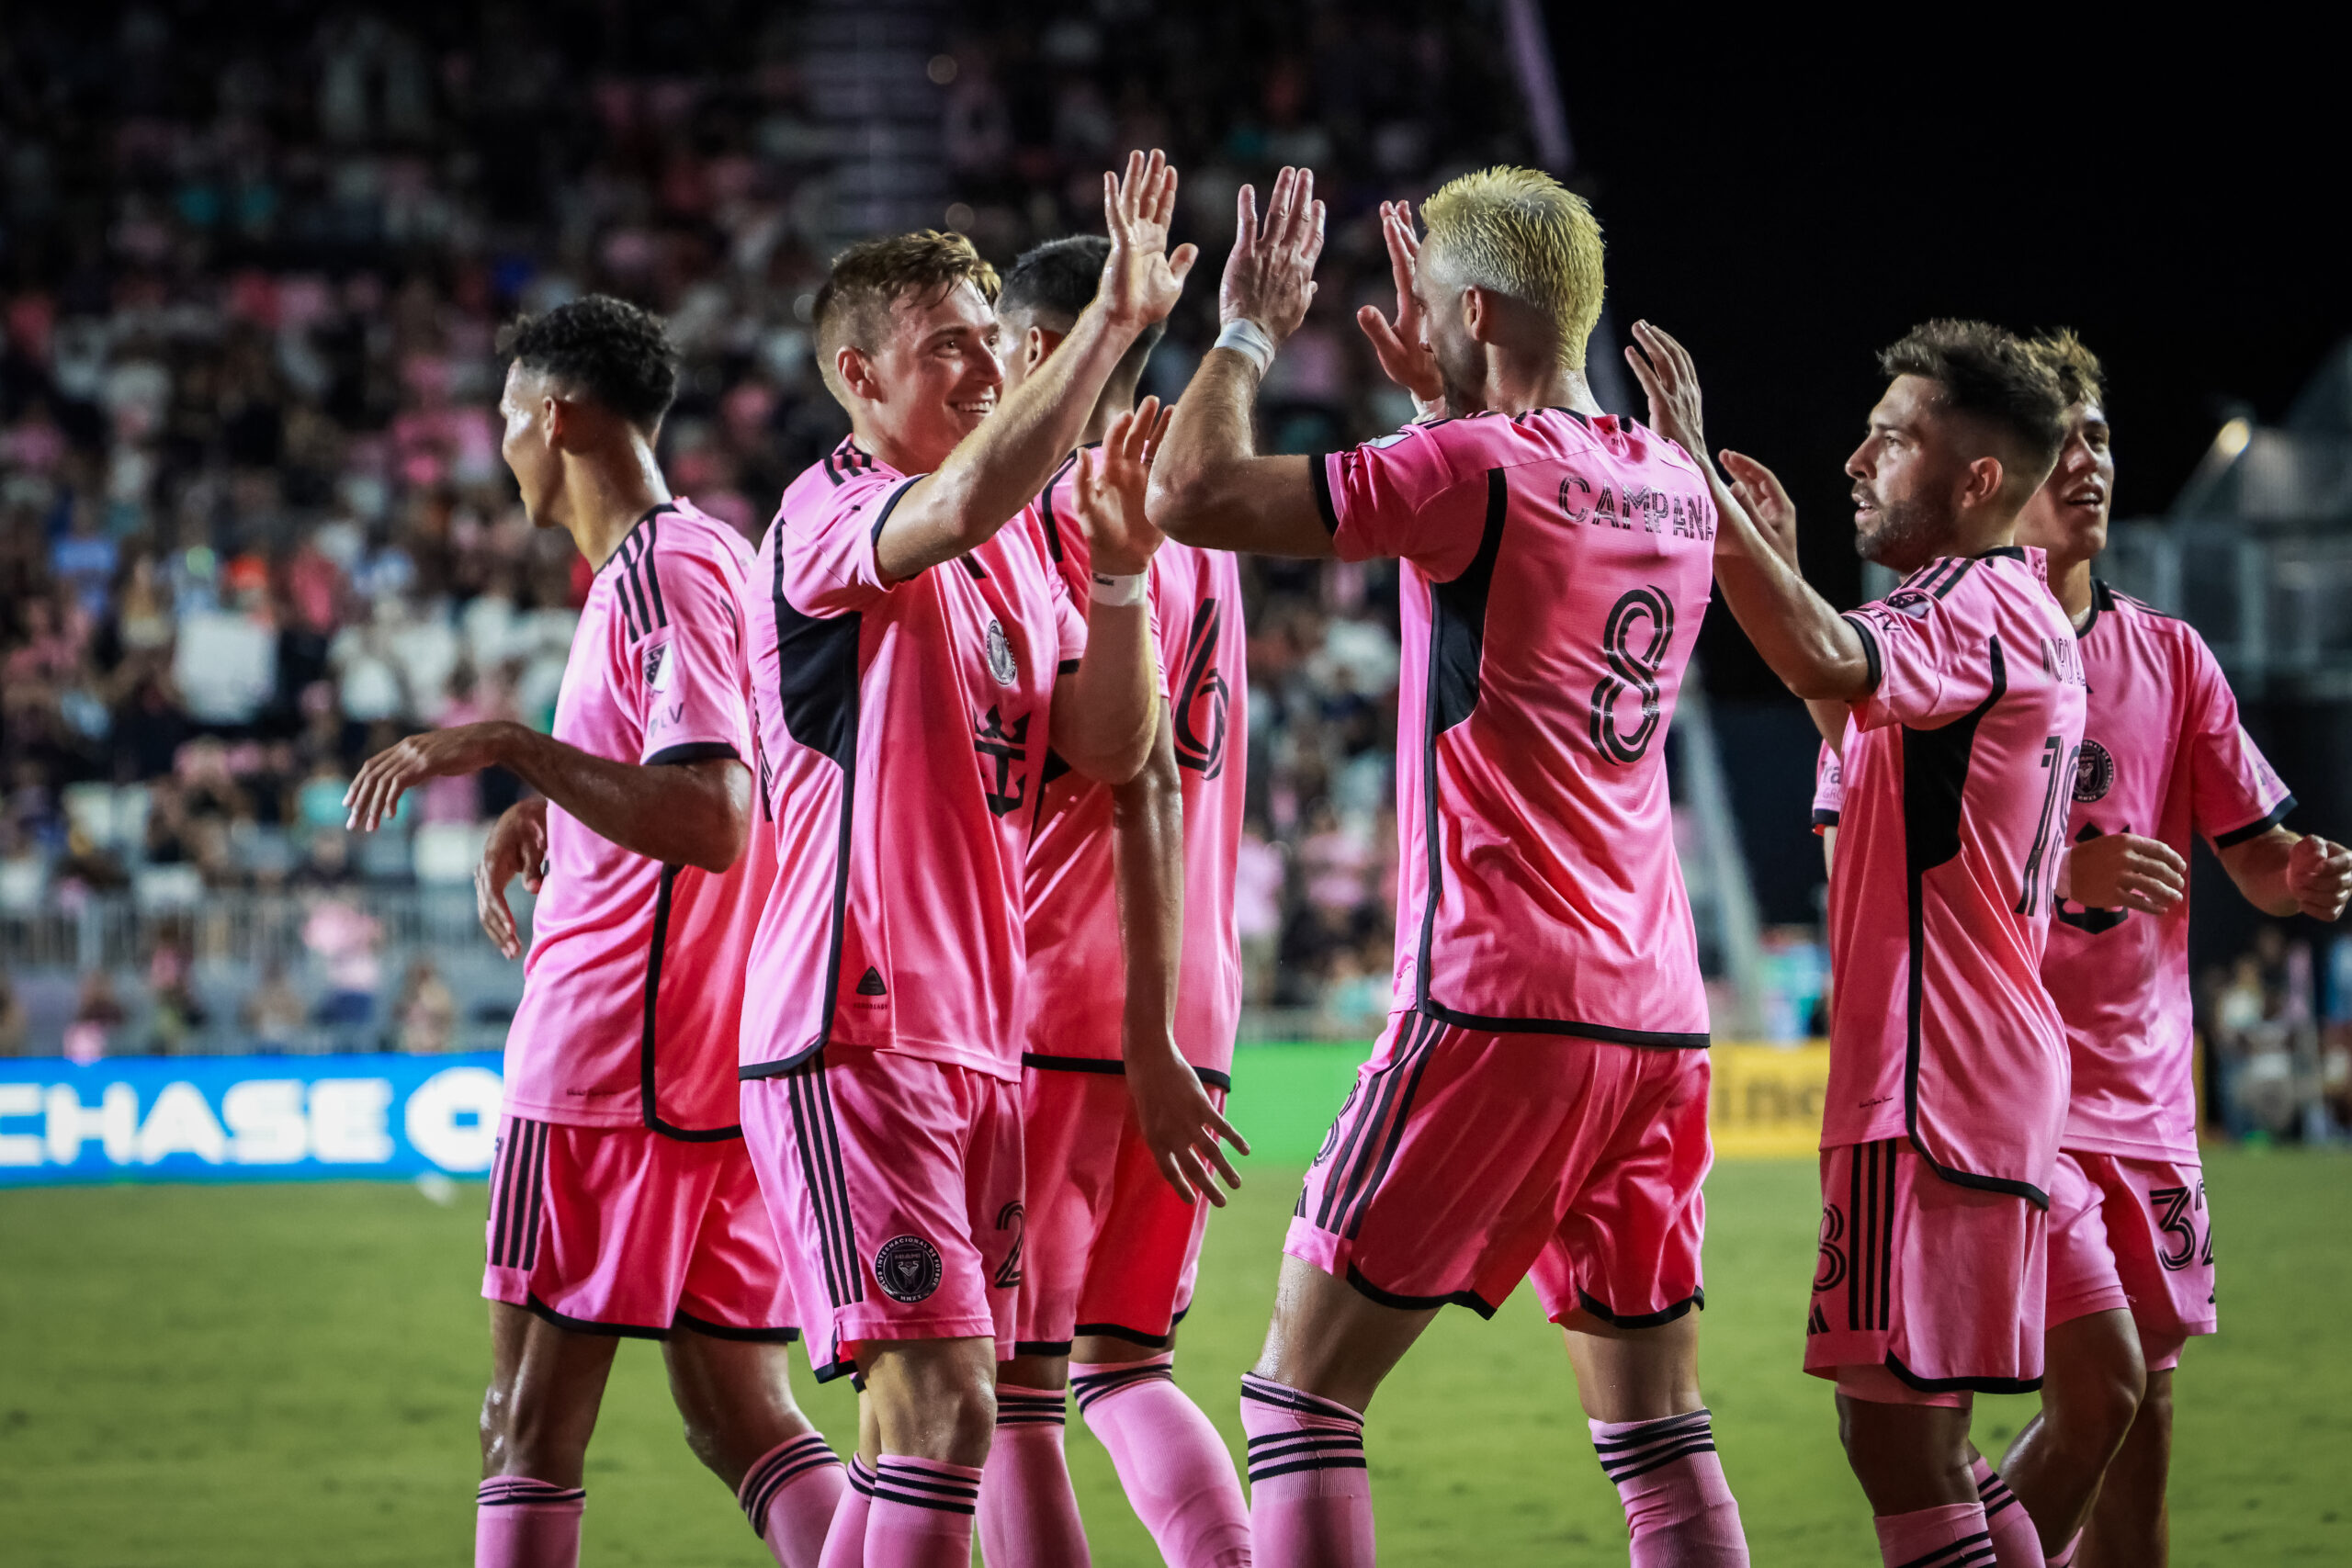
x: 253, y: 525
x: 2278, y: 1031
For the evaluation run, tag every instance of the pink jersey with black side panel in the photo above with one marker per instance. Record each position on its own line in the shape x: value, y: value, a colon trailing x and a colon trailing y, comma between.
x: 1075, y: 961
x: 2164, y: 756
x: 1828, y: 788
x: 1556, y: 569
x: 1955, y: 775
x: 904, y: 729
x: 635, y: 978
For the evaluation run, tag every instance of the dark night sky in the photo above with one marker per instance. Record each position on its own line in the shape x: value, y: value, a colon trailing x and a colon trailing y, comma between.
x: 1786, y: 207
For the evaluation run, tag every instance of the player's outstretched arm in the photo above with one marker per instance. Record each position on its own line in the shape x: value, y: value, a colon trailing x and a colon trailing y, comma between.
x: 1209, y: 487
x: 1766, y: 501
x: 1105, y: 711
x: 697, y: 814
x: 2286, y: 873
x: 1796, y: 631
x: 1403, y: 347
x: 999, y: 468
x: 1180, y: 1122
x: 517, y: 846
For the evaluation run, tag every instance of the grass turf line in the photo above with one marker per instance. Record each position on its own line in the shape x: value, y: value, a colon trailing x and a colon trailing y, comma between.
x: 289, y: 1374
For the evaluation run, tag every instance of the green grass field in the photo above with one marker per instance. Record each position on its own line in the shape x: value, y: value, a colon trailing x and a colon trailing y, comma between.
x: 287, y: 1375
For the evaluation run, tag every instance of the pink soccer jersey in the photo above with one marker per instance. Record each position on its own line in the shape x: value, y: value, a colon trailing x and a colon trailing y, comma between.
x: 1955, y: 773
x: 1073, y: 911
x: 904, y: 725
x: 631, y: 992
x: 2164, y: 756
x: 1828, y: 788
x: 1558, y: 568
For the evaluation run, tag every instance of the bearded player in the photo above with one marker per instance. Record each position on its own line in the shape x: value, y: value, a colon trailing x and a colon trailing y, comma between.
x: 914, y: 660
x: 1539, y: 1099
x: 1948, y: 1061
x: 1135, y: 880
x: 623, y: 1204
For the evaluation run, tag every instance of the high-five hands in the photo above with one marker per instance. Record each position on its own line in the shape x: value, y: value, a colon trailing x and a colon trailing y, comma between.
x: 1141, y: 280
x: 1759, y: 488
x: 1270, y: 276
x: 1663, y: 368
x: 1119, y: 540
x: 1403, y: 349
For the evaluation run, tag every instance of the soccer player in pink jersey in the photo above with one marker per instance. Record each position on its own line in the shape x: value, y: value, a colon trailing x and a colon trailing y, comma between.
x: 914, y: 657
x: 623, y: 1202
x: 1135, y: 880
x: 2132, y: 1242
x: 1948, y: 1068
x: 1539, y: 1099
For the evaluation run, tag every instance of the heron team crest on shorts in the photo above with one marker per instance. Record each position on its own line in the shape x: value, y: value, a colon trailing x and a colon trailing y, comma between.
x: 907, y: 1267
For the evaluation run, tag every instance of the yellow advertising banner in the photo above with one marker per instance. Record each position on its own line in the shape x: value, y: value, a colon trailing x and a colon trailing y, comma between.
x: 1768, y: 1099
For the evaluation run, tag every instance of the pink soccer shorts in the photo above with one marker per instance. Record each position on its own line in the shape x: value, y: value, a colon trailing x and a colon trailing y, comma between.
x: 620, y: 1230
x: 1111, y: 1249
x: 2132, y: 1233
x: 895, y: 1186
x: 1463, y: 1160
x: 1923, y: 1290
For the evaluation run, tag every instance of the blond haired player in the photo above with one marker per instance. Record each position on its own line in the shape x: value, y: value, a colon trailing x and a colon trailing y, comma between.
x: 1539, y: 1099
x: 915, y: 656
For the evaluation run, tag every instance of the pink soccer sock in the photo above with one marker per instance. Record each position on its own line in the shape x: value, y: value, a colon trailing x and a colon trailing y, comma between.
x: 1310, y: 1499
x: 2065, y: 1554
x: 790, y: 1495
x: 922, y: 1514
x: 522, y: 1523
x: 1951, y: 1536
x: 1678, y: 1505
x: 1172, y: 1463
x: 1028, y: 1511
x: 845, y: 1537
x: 2014, y: 1544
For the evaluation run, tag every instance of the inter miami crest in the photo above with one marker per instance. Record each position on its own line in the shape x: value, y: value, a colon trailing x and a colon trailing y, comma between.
x: 2093, y: 773
x: 1000, y: 649
x: 907, y: 1267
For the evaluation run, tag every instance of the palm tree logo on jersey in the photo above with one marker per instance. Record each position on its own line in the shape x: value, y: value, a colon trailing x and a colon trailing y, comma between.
x: 1200, y: 712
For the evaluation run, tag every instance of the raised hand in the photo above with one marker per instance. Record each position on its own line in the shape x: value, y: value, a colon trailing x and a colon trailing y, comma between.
x: 1181, y: 1126
x: 437, y: 753
x: 1663, y: 368
x: 1111, y: 483
x: 2319, y: 874
x: 1270, y: 276
x: 1403, y: 349
x: 517, y: 846
x: 1759, y: 488
x: 1141, y: 281
x: 2124, y: 870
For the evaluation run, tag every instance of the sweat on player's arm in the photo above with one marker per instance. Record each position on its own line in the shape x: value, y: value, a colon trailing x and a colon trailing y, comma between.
x: 1209, y: 487
x: 1107, y: 707
x: 998, y: 468
x: 694, y: 812
x: 1817, y: 652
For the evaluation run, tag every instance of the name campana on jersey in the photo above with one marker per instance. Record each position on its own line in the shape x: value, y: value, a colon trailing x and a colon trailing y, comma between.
x: 1684, y: 515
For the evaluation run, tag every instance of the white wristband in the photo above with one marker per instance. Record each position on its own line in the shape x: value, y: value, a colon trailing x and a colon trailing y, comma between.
x: 1246, y: 337
x: 1117, y: 590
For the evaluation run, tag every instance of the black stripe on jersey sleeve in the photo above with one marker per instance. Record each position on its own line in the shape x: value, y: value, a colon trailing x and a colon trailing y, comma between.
x: 1318, y: 476
x: 889, y: 505
x: 1870, y: 649
x: 2255, y: 829
x: 1825, y: 818
x: 692, y: 752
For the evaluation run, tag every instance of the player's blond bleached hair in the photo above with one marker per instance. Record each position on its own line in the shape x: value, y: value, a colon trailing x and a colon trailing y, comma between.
x: 2078, y: 370
x: 854, y: 307
x: 1523, y: 234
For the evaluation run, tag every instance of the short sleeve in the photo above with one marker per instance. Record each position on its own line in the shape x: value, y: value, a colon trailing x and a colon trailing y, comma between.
x: 824, y: 556
x: 1930, y: 656
x: 2234, y: 793
x: 1407, y: 496
x: 1069, y: 622
x: 1828, y: 788
x: 686, y: 673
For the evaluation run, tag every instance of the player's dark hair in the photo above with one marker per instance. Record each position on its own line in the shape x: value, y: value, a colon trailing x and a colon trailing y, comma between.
x: 1991, y: 374
x: 1052, y: 284
x: 2080, y: 376
x: 609, y: 349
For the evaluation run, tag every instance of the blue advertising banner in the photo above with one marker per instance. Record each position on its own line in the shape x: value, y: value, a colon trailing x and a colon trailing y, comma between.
x: 246, y: 1118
